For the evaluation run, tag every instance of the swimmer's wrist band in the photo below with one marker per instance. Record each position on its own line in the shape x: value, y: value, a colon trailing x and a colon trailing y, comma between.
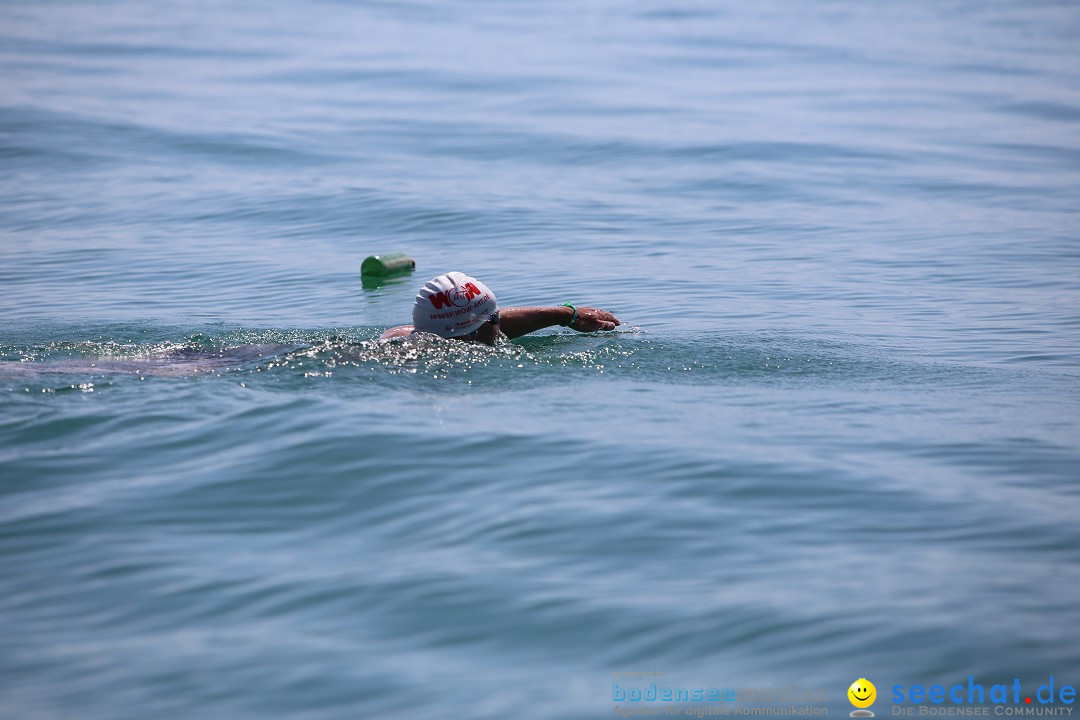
x: 573, y: 318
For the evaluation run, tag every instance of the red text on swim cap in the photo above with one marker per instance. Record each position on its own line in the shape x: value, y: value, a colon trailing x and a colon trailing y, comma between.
x: 459, y: 296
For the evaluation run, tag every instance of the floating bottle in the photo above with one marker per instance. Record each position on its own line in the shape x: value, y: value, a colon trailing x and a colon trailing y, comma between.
x: 387, y: 265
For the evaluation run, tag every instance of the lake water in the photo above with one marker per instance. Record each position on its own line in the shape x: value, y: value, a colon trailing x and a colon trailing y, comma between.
x: 836, y: 436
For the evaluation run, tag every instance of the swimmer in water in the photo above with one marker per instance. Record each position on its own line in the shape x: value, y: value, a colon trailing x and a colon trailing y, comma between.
x: 457, y: 306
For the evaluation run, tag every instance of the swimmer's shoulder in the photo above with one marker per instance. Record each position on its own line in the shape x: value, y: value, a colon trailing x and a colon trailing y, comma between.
x: 399, y: 331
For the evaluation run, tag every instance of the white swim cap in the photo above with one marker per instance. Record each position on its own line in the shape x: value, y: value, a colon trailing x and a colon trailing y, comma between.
x: 453, y: 304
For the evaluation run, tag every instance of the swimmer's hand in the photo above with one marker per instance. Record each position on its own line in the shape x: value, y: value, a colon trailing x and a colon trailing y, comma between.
x: 589, y: 319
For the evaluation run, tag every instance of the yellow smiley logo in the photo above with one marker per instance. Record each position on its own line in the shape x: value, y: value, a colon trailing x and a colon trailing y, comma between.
x: 862, y: 693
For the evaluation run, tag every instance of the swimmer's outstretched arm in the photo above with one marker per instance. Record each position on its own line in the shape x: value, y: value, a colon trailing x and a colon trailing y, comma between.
x: 518, y: 321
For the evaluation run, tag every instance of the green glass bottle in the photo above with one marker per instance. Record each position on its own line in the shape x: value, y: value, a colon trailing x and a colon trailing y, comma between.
x: 387, y: 265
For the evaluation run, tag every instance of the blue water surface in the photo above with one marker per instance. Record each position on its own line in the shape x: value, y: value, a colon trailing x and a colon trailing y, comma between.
x: 835, y: 437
